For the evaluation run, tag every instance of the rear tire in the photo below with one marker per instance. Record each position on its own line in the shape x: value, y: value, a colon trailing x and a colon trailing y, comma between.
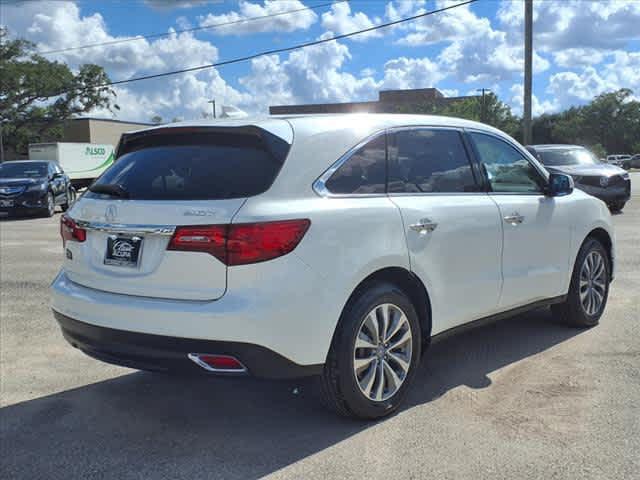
x: 365, y: 377
x: 587, y: 297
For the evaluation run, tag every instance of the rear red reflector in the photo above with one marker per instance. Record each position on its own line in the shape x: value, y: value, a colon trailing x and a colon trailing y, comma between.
x: 242, y: 243
x: 219, y: 363
x: 69, y: 231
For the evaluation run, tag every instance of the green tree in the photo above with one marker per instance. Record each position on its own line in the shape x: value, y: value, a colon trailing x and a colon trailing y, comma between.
x: 37, y: 95
x: 495, y: 112
x: 611, y: 121
x: 157, y: 119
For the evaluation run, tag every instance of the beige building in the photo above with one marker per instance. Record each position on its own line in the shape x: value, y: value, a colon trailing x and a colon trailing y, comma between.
x: 389, y: 101
x: 98, y: 130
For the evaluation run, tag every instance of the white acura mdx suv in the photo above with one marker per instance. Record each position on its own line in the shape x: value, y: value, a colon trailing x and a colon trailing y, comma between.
x: 333, y: 245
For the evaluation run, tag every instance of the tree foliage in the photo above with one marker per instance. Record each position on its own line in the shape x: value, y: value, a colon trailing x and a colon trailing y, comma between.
x: 37, y: 94
x: 494, y: 112
x: 610, y: 123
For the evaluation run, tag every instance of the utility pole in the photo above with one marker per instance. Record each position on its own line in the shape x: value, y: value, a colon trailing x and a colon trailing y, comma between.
x: 528, y: 54
x: 213, y: 106
x: 483, y: 111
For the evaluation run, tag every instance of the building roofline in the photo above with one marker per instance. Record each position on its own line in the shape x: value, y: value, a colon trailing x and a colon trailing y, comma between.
x: 111, y: 120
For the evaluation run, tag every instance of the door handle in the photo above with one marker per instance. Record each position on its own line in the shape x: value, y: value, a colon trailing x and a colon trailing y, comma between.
x: 514, y: 219
x: 423, y: 226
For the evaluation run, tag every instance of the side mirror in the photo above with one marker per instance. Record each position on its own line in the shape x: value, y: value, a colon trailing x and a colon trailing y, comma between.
x: 559, y: 185
x: 56, y: 175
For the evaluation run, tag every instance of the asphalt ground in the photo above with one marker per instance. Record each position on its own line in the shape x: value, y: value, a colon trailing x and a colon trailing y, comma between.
x: 523, y: 398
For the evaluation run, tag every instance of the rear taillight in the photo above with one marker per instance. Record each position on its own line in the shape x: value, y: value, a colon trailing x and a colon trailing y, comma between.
x: 242, y: 243
x: 206, y: 238
x: 69, y: 231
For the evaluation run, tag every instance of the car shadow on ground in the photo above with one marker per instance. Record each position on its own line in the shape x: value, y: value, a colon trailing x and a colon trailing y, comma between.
x: 143, y: 425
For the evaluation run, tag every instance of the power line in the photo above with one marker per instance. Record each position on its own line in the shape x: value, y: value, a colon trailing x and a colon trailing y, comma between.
x: 277, y: 50
x: 193, y: 29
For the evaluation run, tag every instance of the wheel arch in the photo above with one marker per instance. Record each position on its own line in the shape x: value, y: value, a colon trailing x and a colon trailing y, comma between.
x: 603, y: 237
x: 410, y: 284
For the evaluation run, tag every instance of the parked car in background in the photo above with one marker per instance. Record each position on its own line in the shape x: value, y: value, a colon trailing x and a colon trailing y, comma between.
x: 28, y: 187
x: 634, y: 162
x: 619, y: 160
x: 330, y: 245
x: 83, y: 162
x: 606, y: 181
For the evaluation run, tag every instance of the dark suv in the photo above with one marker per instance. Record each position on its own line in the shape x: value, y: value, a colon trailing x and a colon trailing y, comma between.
x: 605, y: 181
x: 33, y: 186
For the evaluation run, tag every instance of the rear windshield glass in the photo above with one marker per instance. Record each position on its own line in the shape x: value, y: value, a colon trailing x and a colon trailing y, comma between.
x: 188, y: 164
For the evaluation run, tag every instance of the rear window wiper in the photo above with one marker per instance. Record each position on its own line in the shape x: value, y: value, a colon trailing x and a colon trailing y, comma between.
x: 113, y: 189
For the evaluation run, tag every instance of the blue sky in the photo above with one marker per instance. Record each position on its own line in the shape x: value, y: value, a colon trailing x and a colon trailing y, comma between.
x: 582, y: 48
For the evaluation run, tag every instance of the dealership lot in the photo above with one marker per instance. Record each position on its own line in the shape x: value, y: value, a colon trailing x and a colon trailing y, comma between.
x: 525, y: 397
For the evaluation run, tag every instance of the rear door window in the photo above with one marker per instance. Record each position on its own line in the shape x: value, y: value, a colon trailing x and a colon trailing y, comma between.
x: 196, y: 164
x: 430, y: 161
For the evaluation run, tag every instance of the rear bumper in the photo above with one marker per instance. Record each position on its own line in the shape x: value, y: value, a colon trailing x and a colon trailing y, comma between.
x: 169, y: 354
x: 286, y: 315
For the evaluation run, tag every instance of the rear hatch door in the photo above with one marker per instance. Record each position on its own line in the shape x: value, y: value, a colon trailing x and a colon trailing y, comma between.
x: 162, y: 179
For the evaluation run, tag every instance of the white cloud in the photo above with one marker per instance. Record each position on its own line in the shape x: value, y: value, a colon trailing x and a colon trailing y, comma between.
x: 485, y: 58
x: 171, y: 4
x: 58, y: 25
x: 301, y: 20
x: 403, y: 73
x: 572, y: 88
x: 578, y: 57
x: 340, y: 20
x: 451, y: 25
x: 311, y: 75
x: 576, y: 32
x: 474, y: 51
x: 317, y: 75
x: 404, y: 8
x: 537, y: 107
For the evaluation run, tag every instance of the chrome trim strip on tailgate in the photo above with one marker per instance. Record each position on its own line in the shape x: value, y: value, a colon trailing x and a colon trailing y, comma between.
x: 127, y: 229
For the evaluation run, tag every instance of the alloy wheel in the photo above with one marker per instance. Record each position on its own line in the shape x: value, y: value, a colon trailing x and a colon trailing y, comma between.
x: 382, y: 352
x: 593, y: 278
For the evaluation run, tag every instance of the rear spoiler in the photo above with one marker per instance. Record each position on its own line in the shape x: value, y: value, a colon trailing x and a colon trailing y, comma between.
x: 277, y: 146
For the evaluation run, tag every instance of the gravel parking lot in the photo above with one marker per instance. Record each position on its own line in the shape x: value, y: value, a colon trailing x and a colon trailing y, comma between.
x: 523, y: 398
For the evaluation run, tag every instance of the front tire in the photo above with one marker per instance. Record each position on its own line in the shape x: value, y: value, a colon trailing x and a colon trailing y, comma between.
x: 70, y: 197
x: 617, y: 206
x: 50, y: 209
x: 589, y: 288
x: 374, y: 354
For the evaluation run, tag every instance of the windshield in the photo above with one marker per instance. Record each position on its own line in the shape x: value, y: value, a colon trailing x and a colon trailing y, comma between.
x: 573, y: 156
x: 23, y: 170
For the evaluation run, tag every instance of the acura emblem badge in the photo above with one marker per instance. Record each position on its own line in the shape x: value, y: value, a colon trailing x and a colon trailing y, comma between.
x: 110, y: 213
x: 604, y: 181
